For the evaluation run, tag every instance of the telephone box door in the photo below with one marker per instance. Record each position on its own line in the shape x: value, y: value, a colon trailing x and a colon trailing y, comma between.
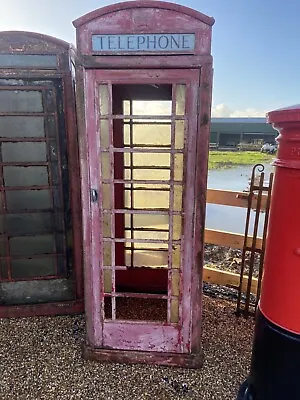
x: 33, y: 176
x: 139, y: 216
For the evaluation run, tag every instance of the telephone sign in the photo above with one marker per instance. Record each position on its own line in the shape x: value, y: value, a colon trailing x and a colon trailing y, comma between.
x: 158, y: 42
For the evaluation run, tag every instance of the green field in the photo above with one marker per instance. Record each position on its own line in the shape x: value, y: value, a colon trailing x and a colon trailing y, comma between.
x: 229, y: 159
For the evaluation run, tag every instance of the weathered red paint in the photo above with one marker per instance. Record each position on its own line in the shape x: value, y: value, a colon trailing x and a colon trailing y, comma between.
x: 280, y: 296
x: 127, y: 340
x: 28, y: 43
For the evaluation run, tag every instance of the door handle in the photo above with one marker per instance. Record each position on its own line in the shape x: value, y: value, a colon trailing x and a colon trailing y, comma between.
x: 94, y: 195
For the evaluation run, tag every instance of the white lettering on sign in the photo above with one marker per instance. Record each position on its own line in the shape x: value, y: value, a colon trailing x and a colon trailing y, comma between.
x: 155, y: 42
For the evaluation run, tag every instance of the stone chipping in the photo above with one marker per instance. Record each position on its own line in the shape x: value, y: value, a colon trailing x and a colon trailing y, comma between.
x: 41, y: 359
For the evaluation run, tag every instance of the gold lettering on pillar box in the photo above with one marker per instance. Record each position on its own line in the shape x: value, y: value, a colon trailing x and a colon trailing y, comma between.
x: 152, y: 42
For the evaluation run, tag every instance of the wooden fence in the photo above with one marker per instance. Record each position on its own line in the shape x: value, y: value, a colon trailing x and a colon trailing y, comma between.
x: 233, y: 240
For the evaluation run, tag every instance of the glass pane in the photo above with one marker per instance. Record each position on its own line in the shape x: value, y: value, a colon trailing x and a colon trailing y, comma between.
x: 180, y: 99
x: 174, y: 311
x: 179, y: 134
x: 24, y: 152
x: 32, y: 267
x: 107, y: 253
x: 21, y: 101
x: 107, y: 275
x: 104, y: 99
x: 152, y: 107
x: 149, y: 235
x: 106, y: 225
x: 177, y: 198
x: 28, y: 60
x: 106, y: 196
x: 28, y: 199
x: 12, y: 127
x: 25, y: 176
x: 178, y: 167
x: 126, y: 107
x: 175, y: 283
x: 150, y: 246
x: 104, y: 133
x: 148, y: 258
x: 30, y: 224
x: 32, y: 245
x: 149, y: 174
x: 176, y: 256
x: 149, y: 159
x: 148, y: 199
x: 105, y: 166
x: 148, y: 221
x: 177, y: 221
x: 148, y: 135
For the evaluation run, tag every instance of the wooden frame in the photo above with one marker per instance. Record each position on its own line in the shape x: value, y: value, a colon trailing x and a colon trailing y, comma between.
x: 230, y: 239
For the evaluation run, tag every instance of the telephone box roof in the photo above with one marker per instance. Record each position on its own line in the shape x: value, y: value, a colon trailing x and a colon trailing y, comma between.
x: 24, y: 35
x: 142, y: 4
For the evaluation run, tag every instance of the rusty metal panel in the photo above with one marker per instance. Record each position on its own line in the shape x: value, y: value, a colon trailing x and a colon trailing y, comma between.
x: 251, y: 255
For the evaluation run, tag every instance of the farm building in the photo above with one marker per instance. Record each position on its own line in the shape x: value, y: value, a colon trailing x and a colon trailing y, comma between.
x: 229, y: 132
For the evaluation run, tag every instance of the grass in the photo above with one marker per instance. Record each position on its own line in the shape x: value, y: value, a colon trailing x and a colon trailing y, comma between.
x: 229, y: 159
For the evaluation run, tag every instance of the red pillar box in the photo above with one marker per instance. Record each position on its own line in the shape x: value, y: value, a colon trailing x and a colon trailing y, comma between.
x: 275, y: 367
x: 144, y: 68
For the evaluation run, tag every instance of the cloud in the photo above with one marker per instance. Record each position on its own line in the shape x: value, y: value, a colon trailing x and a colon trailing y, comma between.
x: 222, y: 110
x: 152, y: 107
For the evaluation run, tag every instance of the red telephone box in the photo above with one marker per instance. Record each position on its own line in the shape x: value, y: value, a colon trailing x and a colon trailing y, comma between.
x: 40, y: 213
x: 146, y: 73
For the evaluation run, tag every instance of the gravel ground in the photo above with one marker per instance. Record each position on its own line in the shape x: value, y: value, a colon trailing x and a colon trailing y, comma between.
x: 40, y: 359
x: 228, y: 259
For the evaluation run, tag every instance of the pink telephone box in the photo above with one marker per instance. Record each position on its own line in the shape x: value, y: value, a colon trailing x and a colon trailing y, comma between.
x: 144, y: 77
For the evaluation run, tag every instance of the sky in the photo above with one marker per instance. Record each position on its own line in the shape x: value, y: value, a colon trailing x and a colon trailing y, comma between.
x: 255, y: 46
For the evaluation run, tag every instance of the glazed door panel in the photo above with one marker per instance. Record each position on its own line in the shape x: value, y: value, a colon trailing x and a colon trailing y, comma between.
x: 34, y: 194
x: 141, y: 143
